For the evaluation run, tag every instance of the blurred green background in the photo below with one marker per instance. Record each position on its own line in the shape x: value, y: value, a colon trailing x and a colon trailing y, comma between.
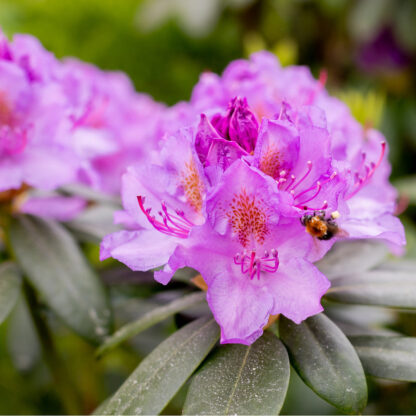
x: 368, y: 48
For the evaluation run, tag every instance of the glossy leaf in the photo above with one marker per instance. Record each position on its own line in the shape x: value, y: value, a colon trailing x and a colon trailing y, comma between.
x: 162, y: 373
x: 400, y: 264
x: 360, y: 319
x: 99, y: 409
x: 377, y: 287
x: 89, y: 194
x: 387, y: 357
x: 55, y: 266
x: 151, y: 318
x: 10, y: 283
x: 22, y: 338
x: 352, y: 257
x: 241, y: 380
x: 326, y: 361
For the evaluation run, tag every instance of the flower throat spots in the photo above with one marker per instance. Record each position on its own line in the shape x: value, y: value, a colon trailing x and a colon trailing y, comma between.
x: 248, y: 219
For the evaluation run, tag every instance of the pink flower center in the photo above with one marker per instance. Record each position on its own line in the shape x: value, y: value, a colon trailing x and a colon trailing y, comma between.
x: 175, y: 225
x: 253, y: 265
x: 248, y: 218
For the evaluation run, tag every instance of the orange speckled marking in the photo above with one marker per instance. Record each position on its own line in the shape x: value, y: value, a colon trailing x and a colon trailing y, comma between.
x: 192, y: 186
x: 270, y: 162
x: 248, y: 218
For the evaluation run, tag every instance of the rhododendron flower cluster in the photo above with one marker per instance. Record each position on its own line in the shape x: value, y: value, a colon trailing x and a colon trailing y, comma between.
x: 64, y: 122
x: 250, y: 182
x: 264, y: 174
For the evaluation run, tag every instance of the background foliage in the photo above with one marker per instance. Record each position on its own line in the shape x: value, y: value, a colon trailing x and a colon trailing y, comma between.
x: 368, y: 48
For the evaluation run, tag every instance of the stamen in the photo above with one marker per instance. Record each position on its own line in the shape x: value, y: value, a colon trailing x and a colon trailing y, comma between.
x: 318, y: 187
x: 292, y: 179
x: 369, y: 172
x: 363, y: 158
x: 175, y: 226
x: 308, y: 171
x: 182, y: 215
x: 282, y: 178
x: 322, y: 208
x: 253, y: 265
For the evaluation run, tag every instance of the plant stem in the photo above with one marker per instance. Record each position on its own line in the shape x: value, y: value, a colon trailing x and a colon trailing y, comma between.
x: 65, y: 390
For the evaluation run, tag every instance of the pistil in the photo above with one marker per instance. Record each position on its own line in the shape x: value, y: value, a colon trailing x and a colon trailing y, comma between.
x: 253, y: 265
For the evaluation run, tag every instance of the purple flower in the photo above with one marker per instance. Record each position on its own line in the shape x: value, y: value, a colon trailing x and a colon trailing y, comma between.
x: 246, y: 253
x: 112, y: 126
x: 163, y: 200
x: 291, y: 94
x: 253, y: 192
x: 242, y: 229
x: 32, y: 149
x: 69, y: 122
x: 370, y: 199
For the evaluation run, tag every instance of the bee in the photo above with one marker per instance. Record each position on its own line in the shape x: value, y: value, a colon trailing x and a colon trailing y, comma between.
x: 320, y: 227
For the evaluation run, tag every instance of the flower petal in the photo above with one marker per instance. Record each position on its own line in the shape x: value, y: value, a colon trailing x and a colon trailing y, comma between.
x: 240, y: 307
x: 139, y: 250
x: 297, y: 288
x: 60, y: 208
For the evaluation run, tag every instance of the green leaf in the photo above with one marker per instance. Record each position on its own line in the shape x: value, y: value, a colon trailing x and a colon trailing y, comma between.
x: 55, y: 266
x: 151, y: 318
x: 360, y: 319
x: 326, y: 361
x: 396, y: 289
x: 352, y: 257
x: 406, y: 265
x: 90, y: 194
x: 241, y: 380
x: 94, y: 223
x: 99, y: 409
x: 10, y: 283
x: 22, y: 338
x: 162, y: 373
x: 387, y: 357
